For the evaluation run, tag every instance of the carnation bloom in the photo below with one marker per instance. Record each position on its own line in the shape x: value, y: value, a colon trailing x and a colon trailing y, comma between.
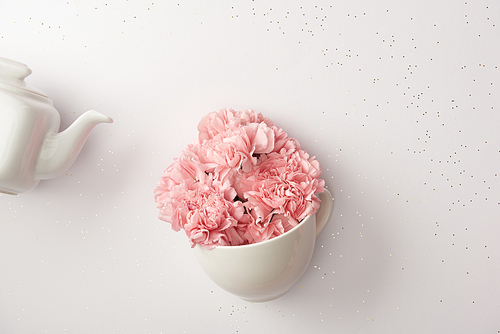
x: 203, y: 208
x: 227, y: 119
x: 264, y: 229
x: 283, y: 142
x: 285, y: 185
x: 234, y: 150
x: 179, y: 177
x: 216, y: 122
x: 251, y: 116
x: 242, y: 181
x: 208, y: 218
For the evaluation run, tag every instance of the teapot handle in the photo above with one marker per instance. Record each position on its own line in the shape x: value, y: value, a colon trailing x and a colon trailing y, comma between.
x: 324, y: 211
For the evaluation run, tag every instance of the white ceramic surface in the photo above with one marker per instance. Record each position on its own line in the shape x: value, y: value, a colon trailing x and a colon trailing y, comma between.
x: 267, y: 270
x: 31, y: 149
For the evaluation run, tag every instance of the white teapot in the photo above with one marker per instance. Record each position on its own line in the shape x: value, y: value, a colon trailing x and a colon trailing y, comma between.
x: 31, y: 149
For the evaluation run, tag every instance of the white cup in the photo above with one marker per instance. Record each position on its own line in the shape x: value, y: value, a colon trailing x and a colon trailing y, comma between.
x: 266, y: 270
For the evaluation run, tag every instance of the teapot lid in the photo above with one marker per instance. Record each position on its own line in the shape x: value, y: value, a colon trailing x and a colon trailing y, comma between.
x: 12, y: 74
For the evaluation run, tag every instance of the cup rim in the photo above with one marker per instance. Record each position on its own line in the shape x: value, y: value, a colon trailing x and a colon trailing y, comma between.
x: 303, y: 221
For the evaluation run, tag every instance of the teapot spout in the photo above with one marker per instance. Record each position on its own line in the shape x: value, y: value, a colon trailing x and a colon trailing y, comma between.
x: 60, y: 150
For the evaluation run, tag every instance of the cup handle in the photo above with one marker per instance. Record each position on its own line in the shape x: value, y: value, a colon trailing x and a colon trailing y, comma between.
x: 324, y: 211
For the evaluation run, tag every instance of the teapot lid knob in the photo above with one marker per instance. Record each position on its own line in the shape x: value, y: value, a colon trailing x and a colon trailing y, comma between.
x: 14, y: 68
x: 12, y: 74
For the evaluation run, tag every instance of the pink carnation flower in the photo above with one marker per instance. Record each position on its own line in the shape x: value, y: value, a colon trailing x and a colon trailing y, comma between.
x: 235, y: 148
x: 208, y: 217
x: 285, y: 184
x: 216, y: 122
x: 283, y: 142
x: 243, y: 180
x: 251, y: 116
x: 227, y: 119
x: 179, y: 177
